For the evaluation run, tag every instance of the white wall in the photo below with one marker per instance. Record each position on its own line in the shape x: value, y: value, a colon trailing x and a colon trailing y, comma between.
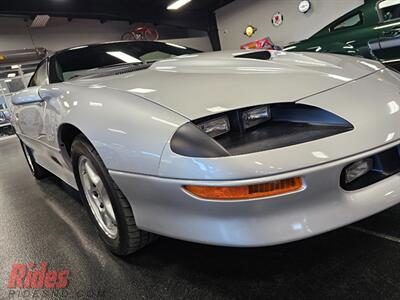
x: 15, y: 34
x: 233, y: 19
x: 60, y: 34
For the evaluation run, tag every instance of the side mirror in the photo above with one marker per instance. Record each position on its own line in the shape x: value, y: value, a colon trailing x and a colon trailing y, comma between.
x: 27, y: 96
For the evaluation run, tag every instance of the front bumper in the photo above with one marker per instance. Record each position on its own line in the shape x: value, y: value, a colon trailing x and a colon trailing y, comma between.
x: 160, y: 205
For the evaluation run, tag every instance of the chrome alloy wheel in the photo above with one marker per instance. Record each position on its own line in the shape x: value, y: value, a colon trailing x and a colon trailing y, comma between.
x: 97, y: 197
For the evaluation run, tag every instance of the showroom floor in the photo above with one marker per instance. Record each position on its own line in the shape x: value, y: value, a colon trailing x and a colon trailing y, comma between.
x: 45, y: 222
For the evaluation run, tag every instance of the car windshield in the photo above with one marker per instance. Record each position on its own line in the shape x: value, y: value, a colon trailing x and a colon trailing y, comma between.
x: 77, y: 61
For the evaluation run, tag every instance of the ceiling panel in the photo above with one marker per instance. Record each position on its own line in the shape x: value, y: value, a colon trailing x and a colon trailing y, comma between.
x: 131, y: 10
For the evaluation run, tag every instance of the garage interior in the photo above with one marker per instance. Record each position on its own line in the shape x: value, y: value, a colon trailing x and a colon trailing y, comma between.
x: 46, y: 222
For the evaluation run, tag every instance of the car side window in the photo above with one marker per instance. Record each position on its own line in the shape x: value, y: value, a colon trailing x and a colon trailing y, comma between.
x: 351, y: 21
x: 389, y: 9
x: 41, y: 76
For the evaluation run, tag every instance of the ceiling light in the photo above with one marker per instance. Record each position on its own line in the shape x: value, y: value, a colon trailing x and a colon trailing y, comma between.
x: 178, y: 4
x: 15, y: 66
x: 11, y: 75
x: 124, y: 57
x: 40, y: 21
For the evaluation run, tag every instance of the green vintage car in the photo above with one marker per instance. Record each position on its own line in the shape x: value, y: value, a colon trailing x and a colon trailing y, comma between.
x: 371, y: 30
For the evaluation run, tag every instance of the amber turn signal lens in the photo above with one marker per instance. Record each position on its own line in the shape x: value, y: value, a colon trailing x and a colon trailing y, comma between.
x: 262, y: 190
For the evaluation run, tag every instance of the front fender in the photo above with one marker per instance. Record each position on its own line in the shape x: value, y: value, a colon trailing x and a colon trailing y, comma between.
x: 128, y: 132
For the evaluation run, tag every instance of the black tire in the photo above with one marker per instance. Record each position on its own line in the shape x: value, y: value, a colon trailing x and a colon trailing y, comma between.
x: 37, y: 170
x: 129, y: 238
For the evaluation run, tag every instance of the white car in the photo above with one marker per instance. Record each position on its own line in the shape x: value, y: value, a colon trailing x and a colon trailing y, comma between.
x: 235, y: 148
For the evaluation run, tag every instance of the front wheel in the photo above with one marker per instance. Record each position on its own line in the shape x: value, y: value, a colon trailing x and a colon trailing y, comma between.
x: 108, y: 207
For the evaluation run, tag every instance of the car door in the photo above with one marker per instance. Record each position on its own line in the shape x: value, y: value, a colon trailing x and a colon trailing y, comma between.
x: 36, y: 118
x: 29, y: 115
x: 388, y: 31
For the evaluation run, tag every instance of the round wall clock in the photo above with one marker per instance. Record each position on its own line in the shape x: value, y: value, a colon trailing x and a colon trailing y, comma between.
x: 277, y: 19
x: 304, y: 6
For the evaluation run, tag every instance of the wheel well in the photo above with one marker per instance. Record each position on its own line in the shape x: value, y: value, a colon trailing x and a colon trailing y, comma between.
x: 67, y: 134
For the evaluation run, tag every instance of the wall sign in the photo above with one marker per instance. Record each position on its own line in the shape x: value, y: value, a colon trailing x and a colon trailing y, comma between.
x: 277, y: 19
x: 250, y: 30
x: 304, y: 6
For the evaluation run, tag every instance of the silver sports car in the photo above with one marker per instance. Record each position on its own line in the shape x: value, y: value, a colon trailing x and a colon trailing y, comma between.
x: 232, y: 148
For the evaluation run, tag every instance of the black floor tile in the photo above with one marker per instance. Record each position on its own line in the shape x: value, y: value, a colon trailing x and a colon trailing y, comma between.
x: 45, y: 222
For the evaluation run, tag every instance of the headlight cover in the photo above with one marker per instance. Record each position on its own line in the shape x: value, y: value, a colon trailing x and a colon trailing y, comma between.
x: 256, y: 129
x: 189, y: 140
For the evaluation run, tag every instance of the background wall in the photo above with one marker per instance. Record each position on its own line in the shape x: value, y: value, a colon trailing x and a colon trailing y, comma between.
x: 59, y: 33
x: 15, y: 33
x: 233, y: 19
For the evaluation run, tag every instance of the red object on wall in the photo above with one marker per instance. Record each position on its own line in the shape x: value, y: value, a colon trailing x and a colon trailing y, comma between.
x: 264, y: 43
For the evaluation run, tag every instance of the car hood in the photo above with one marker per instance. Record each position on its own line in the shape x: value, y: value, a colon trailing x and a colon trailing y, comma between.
x: 203, y: 84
